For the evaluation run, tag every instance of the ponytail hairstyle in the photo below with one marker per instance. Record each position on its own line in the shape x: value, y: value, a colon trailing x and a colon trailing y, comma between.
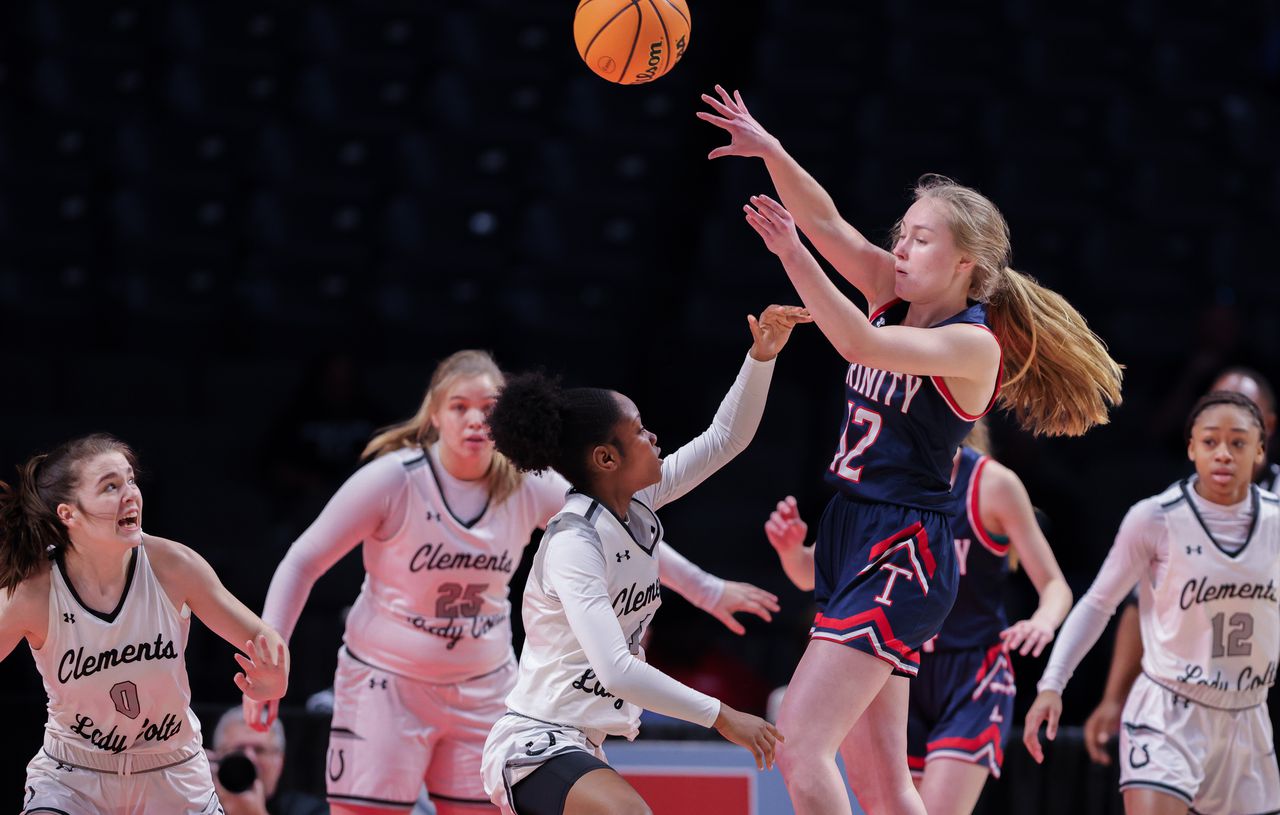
x: 31, y: 533
x: 418, y: 431
x: 538, y: 424
x: 1058, y: 379
x: 1228, y: 398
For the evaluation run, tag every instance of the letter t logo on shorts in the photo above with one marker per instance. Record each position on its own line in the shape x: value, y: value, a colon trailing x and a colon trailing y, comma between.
x: 894, y: 571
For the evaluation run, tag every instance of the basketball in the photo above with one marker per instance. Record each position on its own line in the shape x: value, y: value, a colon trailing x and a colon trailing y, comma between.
x: 631, y: 42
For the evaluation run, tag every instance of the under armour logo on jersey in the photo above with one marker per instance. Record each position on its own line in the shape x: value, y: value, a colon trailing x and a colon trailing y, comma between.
x: 1196, y: 548
x: 1181, y: 700
x: 61, y: 766
x: 67, y: 617
x: 625, y: 553
x: 433, y: 516
x: 373, y: 683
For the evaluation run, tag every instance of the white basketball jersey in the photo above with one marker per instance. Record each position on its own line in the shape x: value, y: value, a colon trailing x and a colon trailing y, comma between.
x: 1211, y: 632
x: 556, y: 681
x: 118, y: 682
x: 434, y: 605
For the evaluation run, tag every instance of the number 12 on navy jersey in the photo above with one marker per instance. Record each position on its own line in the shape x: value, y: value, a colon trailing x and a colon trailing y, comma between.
x: 858, y: 417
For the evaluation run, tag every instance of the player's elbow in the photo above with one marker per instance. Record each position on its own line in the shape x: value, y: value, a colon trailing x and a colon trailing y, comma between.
x: 849, y: 351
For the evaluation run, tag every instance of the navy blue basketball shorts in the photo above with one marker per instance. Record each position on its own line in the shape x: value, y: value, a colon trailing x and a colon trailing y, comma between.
x: 961, y: 708
x: 885, y: 577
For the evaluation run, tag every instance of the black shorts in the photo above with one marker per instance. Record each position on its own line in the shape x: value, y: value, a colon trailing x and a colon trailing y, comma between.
x: 543, y: 791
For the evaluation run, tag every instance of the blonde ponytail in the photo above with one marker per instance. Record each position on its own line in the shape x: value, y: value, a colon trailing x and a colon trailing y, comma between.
x: 418, y: 431
x: 1058, y: 379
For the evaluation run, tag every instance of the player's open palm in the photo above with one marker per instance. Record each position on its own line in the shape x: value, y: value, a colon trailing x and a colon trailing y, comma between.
x: 1046, y: 710
x: 785, y: 529
x: 751, y: 732
x: 746, y: 598
x: 1027, y: 637
x: 746, y: 137
x: 264, y: 670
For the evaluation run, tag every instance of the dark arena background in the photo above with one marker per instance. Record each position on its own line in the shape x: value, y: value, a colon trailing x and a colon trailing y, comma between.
x: 239, y: 235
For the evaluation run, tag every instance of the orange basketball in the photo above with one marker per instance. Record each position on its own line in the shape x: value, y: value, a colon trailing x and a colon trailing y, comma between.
x: 631, y: 42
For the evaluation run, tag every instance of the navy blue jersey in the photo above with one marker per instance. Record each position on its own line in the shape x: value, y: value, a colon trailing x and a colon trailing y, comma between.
x: 900, y: 431
x: 978, y: 616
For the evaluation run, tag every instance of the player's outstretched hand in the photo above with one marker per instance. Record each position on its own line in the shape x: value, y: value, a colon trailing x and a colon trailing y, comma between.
x: 265, y: 671
x: 746, y: 137
x: 1100, y: 728
x: 259, y: 715
x: 1044, y: 710
x: 746, y: 598
x: 785, y: 529
x: 751, y: 732
x: 771, y: 331
x: 774, y: 224
x: 1027, y: 637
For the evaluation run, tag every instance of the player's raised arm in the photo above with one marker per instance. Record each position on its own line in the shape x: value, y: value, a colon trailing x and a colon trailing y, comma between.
x: 264, y: 660
x: 736, y: 420
x: 867, y: 266
x: 960, y: 351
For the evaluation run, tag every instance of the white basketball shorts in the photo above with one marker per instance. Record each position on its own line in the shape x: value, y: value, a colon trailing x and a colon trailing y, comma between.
x: 518, y: 745
x: 391, y: 733
x: 55, y: 786
x: 1217, y: 761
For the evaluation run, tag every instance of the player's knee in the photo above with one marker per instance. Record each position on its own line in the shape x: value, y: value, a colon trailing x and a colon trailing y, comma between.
x: 795, y: 761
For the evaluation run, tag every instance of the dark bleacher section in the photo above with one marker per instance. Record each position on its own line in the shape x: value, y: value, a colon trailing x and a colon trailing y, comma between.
x: 201, y: 201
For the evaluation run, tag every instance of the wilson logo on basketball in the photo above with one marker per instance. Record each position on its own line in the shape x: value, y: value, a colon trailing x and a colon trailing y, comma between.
x: 655, y: 59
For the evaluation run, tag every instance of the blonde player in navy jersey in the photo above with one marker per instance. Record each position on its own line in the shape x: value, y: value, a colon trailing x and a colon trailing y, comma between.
x: 105, y: 610
x: 947, y: 322
x: 593, y: 590
x: 961, y: 705
x: 1205, y: 554
x: 426, y: 658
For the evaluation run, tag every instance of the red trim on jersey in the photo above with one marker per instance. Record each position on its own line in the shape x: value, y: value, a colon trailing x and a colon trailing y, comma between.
x: 895, y: 301
x: 941, y: 385
x: 915, y: 764
x: 877, y: 618
x: 975, y: 516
